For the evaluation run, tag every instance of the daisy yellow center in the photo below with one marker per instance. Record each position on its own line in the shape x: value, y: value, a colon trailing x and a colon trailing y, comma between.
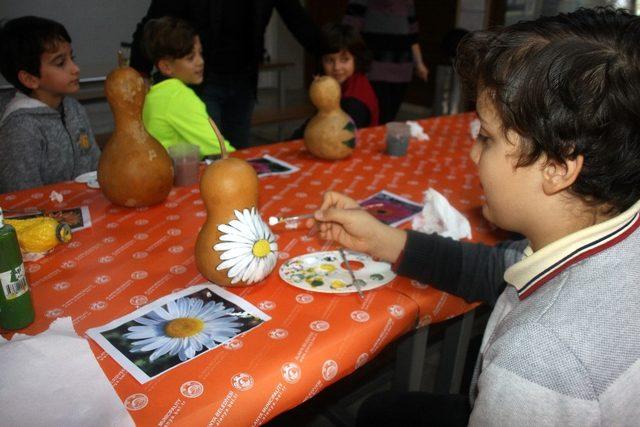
x: 261, y: 248
x: 184, y: 327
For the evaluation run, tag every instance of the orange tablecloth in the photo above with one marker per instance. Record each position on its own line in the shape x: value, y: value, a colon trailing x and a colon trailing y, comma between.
x: 131, y: 257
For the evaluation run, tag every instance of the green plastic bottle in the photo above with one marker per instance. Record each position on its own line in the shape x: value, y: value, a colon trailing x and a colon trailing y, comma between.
x: 16, y: 308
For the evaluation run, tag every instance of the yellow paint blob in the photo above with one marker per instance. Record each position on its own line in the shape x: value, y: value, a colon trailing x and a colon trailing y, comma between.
x: 327, y: 267
x: 261, y: 248
x: 184, y: 327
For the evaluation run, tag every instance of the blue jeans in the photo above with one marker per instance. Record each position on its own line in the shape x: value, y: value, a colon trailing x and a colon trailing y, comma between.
x: 230, y: 103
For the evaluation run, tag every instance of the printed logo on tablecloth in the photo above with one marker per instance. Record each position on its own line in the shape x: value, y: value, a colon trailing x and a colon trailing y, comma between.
x: 173, y: 217
x: 37, y: 196
x: 194, y: 191
x: 329, y: 370
x: 242, y: 381
x: 360, y: 316
x: 283, y: 255
x: 67, y: 265
x: 201, y: 214
x: 178, y: 269
x: 112, y: 225
x: 278, y: 334
x: 419, y: 285
x: 74, y: 245
x: 192, y: 389
x: 171, y: 205
x: 361, y: 360
x: 176, y: 249
x: 267, y: 305
x: 10, y: 197
x: 174, y: 232
x: 105, y: 259
x: 61, y: 286
x: 108, y: 240
x: 139, y: 275
x: 141, y: 236
x: 55, y: 312
x: 233, y: 344
x: 396, y: 311
x: 141, y: 221
x: 101, y: 280
x: 140, y: 255
x: 197, y: 202
x: 138, y: 300
x: 304, y: 298
x: 113, y: 210
x: 136, y: 401
x: 291, y: 372
x: 319, y: 325
x: 277, y: 197
x: 98, y: 305
x: 32, y: 268
x: 142, y: 209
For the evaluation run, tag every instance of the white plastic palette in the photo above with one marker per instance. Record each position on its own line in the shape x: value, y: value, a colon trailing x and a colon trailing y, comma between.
x: 323, y: 272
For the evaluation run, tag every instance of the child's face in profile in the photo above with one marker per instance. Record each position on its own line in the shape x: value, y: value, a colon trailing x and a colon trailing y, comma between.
x: 189, y: 69
x: 510, y: 192
x: 340, y: 65
x: 59, y: 74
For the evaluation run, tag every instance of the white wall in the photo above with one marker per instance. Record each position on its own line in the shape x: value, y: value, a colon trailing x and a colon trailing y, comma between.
x: 96, y: 27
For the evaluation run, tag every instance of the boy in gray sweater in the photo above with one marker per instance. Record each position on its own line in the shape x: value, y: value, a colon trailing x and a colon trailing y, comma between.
x: 558, y: 157
x: 45, y: 135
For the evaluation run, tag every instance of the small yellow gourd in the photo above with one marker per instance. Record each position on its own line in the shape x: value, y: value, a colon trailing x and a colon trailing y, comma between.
x: 40, y: 234
x: 330, y: 134
x: 134, y: 169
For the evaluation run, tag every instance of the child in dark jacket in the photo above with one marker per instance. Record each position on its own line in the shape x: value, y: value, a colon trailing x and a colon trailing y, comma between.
x: 45, y: 135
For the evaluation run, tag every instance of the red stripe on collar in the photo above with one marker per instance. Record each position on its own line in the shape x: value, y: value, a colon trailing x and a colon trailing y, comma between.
x: 569, y: 262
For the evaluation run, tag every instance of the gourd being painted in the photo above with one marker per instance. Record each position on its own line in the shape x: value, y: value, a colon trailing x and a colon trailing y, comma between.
x: 234, y: 247
x: 330, y: 134
x: 134, y: 169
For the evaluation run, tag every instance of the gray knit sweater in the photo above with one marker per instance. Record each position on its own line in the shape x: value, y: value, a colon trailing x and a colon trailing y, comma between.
x: 40, y: 145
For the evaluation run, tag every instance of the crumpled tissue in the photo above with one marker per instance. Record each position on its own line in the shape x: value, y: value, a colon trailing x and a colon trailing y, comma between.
x: 53, y: 379
x: 438, y: 216
x: 417, y: 131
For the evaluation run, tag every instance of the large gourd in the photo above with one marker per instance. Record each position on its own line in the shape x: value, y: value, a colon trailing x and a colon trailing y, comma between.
x: 134, y: 169
x: 229, y: 189
x: 330, y: 134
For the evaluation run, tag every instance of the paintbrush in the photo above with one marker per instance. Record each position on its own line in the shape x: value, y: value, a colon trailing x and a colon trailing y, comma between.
x: 273, y: 220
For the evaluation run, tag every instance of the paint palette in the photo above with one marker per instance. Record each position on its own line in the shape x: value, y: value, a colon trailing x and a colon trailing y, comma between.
x: 325, y: 272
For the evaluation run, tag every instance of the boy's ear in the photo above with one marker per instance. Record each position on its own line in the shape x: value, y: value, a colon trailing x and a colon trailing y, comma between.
x: 558, y: 176
x: 28, y: 80
x: 165, y: 66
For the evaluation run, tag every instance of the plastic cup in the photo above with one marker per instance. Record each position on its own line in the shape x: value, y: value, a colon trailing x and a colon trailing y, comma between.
x: 398, y: 134
x: 186, y: 163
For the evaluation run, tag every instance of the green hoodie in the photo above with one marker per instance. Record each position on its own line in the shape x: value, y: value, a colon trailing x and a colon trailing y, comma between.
x: 173, y: 113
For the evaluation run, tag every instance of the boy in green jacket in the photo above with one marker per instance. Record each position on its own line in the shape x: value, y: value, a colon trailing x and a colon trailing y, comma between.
x: 172, y: 112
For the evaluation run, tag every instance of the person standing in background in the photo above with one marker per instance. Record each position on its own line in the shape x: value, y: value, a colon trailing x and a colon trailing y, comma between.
x: 232, y: 36
x: 390, y: 29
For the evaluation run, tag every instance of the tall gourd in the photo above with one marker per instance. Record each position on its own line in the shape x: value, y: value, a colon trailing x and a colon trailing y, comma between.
x: 330, y: 134
x: 134, y: 169
x: 229, y: 189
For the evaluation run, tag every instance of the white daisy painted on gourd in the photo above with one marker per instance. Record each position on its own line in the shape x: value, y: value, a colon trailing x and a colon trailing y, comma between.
x: 248, y: 247
x: 183, y: 328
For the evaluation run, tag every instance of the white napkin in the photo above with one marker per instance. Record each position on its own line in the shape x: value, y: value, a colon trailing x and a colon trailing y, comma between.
x: 417, y: 131
x: 53, y: 379
x: 438, y: 216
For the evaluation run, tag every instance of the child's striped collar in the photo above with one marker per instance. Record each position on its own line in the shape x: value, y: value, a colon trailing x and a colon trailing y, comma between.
x: 541, y: 266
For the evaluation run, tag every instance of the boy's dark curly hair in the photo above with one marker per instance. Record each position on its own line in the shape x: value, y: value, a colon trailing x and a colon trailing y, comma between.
x: 337, y: 37
x: 167, y: 37
x: 22, y: 43
x: 569, y: 85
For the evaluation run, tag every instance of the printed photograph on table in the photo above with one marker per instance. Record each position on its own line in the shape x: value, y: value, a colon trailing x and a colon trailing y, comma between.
x: 267, y: 165
x: 325, y: 272
x: 175, y: 329
x: 77, y: 218
x: 393, y: 209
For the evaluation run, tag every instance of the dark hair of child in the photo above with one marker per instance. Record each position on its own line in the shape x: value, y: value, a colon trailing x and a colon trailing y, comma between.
x: 339, y: 37
x: 167, y: 38
x: 22, y: 43
x: 567, y: 92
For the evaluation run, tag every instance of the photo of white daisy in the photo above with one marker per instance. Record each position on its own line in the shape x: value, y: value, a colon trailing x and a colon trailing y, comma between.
x: 176, y: 329
x: 183, y: 328
x: 249, y: 250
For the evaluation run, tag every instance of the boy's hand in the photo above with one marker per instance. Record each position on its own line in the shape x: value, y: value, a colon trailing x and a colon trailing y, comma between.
x: 341, y: 220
